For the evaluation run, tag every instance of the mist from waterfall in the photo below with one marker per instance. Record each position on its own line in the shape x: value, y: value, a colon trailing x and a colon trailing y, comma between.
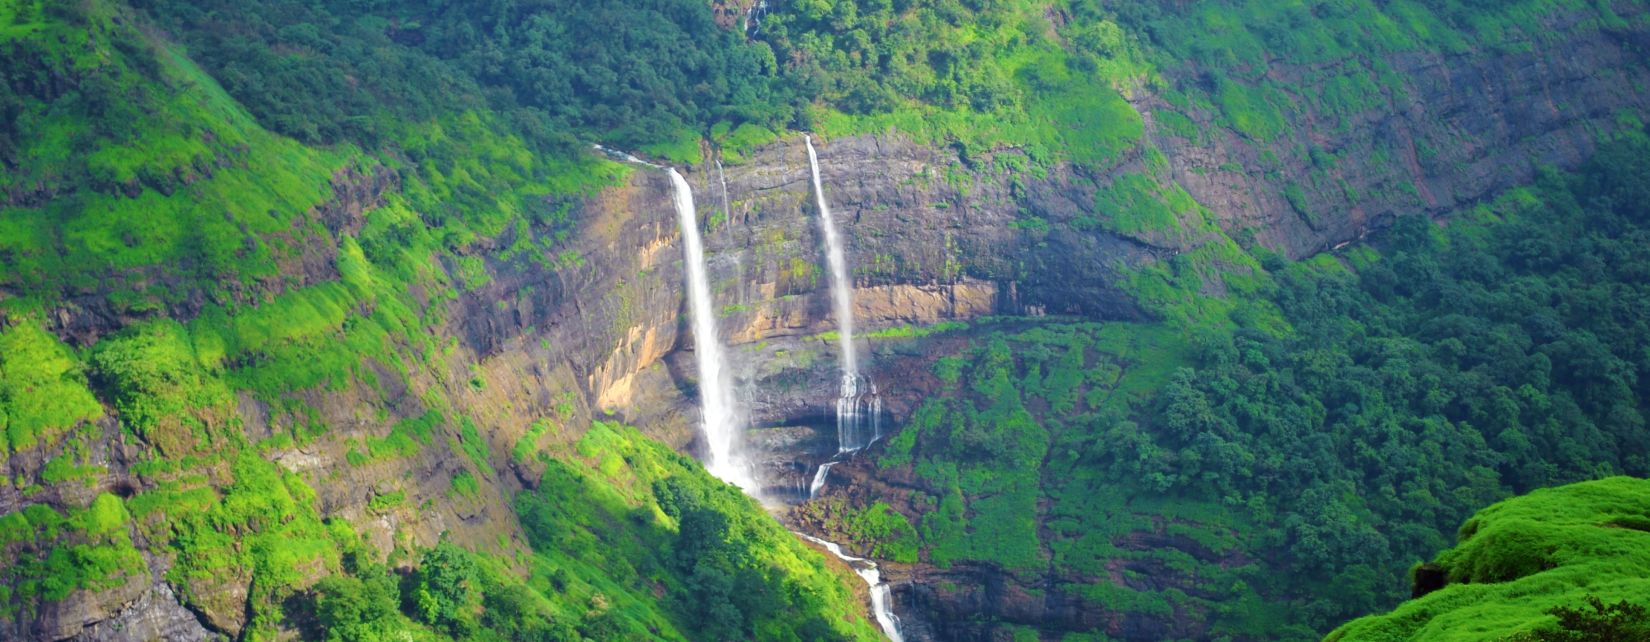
x: 721, y: 419
x: 858, y: 407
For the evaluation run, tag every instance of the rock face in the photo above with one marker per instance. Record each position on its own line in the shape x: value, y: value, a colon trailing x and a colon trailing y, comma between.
x: 1463, y: 126
x: 154, y: 615
x: 930, y: 239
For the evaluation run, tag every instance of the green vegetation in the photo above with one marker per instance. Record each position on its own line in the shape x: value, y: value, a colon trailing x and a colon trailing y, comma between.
x: 658, y: 78
x: 227, y: 226
x: 1384, y: 398
x: 243, y: 269
x: 51, y: 554
x: 981, y: 75
x: 42, y: 389
x: 726, y: 569
x: 885, y: 533
x: 1566, y: 563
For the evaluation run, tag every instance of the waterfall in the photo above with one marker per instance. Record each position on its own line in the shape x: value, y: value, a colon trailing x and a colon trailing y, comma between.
x: 858, y: 407
x: 727, y: 211
x: 819, y: 479
x: 721, y: 420
x: 882, y: 602
x: 756, y: 11
x: 628, y: 158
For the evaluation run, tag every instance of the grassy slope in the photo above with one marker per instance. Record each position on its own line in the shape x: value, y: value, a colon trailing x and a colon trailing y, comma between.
x: 214, y: 205
x: 1038, y: 83
x: 1522, y: 557
x: 140, y: 182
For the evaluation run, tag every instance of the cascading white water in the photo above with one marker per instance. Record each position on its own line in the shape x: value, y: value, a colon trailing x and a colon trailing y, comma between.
x: 721, y: 419
x: 882, y: 602
x: 842, y: 291
x: 756, y: 11
x: 727, y: 211
x: 858, y: 407
x: 819, y: 479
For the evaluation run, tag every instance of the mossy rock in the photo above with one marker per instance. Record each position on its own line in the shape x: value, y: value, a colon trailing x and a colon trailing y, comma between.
x: 1520, y: 559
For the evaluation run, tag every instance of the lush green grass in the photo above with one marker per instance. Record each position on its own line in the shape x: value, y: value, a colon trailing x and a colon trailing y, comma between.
x: 149, y: 166
x: 1001, y: 80
x: 1519, y: 559
x: 43, y: 391
x: 728, y: 570
x: 53, y: 553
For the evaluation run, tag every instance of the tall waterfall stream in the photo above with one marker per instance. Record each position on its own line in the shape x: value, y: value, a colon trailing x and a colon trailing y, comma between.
x: 721, y: 419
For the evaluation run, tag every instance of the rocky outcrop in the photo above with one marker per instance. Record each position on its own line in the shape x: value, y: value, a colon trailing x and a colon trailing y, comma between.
x: 1458, y: 128
x: 154, y: 615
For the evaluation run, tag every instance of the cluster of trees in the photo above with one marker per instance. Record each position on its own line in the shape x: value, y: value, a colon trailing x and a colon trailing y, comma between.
x: 450, y: 592
x: 730, y: 594
x: 673, y: 552
x: 1467, y: 363
x: 870, y: 56
x: 642, y: 544
x: 1445, y: 369
x: 630, y: 74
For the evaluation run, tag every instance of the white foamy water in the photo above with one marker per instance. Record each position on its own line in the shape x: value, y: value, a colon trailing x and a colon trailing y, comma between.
x: 882, y: 600
x: 819, y: 479
x: 858, y: 407
x: 721, y: 419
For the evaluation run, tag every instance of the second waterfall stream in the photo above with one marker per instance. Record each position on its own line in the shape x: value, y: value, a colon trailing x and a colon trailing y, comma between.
x: 858, y: 408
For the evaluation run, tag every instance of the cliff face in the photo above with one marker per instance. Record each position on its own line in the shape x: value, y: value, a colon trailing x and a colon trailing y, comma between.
x: 931, y: 238
x: 1457, y: 128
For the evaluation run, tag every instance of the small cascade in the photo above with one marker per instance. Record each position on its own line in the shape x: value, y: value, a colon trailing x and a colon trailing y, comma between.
x: 819, y: 479
x: 727, y: 211
x: 858, y: 413
x: 882, y: 599
x: 858, y: 407
x: 754, y: 17
x: 628, y: 158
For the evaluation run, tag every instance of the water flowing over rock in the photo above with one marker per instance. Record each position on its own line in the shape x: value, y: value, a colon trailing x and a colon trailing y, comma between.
x: 819, y: 479
x: 882, y: 604
x: 721, y: 419
x: 858, y: 408
x: 754, y: 17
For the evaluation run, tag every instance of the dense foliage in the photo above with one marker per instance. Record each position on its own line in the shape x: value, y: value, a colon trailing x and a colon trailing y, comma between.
x: 1564, y: 564
x: 655, y: 75
x: 1452, y: 367
x: 631, y: 541
x: 223, y: 279
x: 217, y: 217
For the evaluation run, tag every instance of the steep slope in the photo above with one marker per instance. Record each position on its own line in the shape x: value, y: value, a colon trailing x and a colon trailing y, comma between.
x: 241, y: 362
x: 238, y: 396
x: 1146, y: 481
x: 1532, y: 565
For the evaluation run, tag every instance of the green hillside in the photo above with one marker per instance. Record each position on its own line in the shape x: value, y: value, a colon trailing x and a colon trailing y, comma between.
x: 1565, y: 563
x: 141, y: 193
x: 1276, y: 476
x: 313, y: 315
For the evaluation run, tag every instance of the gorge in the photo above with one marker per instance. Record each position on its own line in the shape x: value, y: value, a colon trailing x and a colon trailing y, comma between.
x: 323, y: 320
